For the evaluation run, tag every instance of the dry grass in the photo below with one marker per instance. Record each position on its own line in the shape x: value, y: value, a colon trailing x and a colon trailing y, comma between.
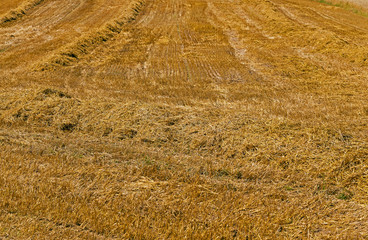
x: 18, y: 13
x: 185, y: 119
x: 73, y: 51
x: 352, y: 5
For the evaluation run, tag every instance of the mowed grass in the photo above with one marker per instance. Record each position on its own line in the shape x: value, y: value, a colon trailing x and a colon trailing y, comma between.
x: 258, y: 130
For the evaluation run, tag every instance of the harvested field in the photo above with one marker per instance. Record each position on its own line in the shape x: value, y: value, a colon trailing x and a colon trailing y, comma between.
x: 183, y: 119
x: 360, y: 2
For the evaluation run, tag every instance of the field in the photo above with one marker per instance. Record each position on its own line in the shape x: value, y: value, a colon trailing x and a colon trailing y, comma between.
x: 183, y: 119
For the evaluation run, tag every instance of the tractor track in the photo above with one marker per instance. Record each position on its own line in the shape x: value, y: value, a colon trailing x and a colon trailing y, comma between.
x: 184, y: 119
x: 66, y: 21
x: 180, y: 45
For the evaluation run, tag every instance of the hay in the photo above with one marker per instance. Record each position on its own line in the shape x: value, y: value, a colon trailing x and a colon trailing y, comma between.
x: 187, y: 153
x: 71, y: 53
x: 200, y: 120
x: 19, y: 12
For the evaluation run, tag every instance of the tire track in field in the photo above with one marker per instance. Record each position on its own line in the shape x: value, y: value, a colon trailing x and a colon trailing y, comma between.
x: 315, y: 18
x: 286, y: 39
x: 152, y: 47
x: 185, y: 43
x: 182, y: 49
x: 233, y: 22
x: 324, y: 35
x: 52, y: 25
x: 166, y: 51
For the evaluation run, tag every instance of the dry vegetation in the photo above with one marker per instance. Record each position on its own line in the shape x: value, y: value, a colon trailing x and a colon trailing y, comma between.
x: 183, y: 119
x: 16, y: 14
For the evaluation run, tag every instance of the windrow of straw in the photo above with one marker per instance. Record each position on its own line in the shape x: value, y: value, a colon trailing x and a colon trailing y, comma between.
x: 19, y: 12
x: 71, y: 53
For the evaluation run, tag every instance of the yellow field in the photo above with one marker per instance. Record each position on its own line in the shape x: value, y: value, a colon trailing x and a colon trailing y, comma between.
x: 183, y: 119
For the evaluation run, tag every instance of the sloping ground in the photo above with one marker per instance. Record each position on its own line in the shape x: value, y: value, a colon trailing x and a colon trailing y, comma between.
x: 52, y: 25
x: 360, y: 2
x: 199, y: 119
x: 6, y: 5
